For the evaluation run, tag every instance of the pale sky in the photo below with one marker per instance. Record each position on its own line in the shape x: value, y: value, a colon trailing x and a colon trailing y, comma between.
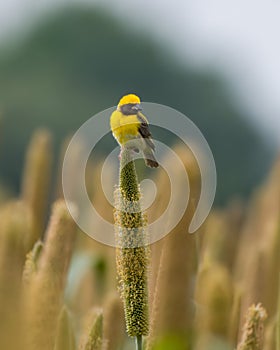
x: 239, y: 38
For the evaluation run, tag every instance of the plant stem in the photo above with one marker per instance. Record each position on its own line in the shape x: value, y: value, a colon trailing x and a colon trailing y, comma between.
x: 278, y: 321
x: 138, y: 342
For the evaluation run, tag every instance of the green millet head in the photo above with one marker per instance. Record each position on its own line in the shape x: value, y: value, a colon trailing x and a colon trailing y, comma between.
x: 132, y: 253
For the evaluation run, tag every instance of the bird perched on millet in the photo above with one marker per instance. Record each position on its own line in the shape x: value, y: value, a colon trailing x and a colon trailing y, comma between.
x: 131, y: 129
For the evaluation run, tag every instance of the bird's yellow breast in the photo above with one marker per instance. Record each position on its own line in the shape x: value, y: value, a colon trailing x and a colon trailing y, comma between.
x: 124, y: 127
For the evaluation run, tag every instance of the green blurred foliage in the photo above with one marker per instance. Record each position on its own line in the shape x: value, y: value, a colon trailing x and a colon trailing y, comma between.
x: 173, y: 342
x: 80, y: 61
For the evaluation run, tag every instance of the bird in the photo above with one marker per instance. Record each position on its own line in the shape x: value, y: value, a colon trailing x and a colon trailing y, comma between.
x: 130, y: 128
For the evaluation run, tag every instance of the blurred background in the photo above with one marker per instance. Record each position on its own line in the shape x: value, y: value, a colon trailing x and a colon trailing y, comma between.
x: 63, y: 61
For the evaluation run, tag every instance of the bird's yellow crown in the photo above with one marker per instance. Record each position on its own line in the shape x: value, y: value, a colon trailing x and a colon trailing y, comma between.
x: 131, y: 98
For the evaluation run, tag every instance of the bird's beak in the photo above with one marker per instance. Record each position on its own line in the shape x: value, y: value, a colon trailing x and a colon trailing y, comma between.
x: 137, y: 107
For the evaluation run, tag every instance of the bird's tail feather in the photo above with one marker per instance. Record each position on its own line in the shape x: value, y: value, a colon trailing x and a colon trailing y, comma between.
x: 150, y: 159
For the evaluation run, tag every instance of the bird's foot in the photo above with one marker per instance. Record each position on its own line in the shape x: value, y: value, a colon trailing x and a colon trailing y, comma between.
x: 120, y: 155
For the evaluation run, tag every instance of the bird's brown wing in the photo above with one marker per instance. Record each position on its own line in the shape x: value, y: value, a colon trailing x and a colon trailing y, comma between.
x: 145, y: 131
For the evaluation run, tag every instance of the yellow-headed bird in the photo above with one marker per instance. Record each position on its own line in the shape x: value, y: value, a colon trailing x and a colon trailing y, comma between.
x: 131, y: 129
